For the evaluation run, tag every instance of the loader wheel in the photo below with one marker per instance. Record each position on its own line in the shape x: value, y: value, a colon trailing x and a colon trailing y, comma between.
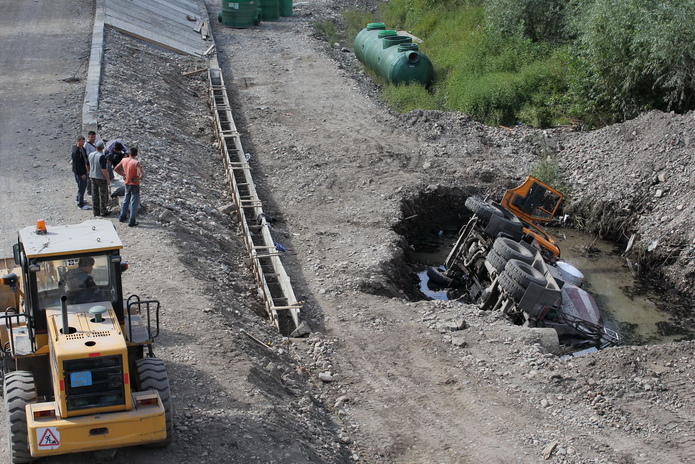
x: 510, y: 287
x: 496, y: 260
x: 524, y: 274
x: 509, y: 249
x: 483, y: 209
x: 152, y: 375
x: 20, y: 390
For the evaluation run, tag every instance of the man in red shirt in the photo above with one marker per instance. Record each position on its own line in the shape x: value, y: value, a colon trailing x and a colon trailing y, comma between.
x: 132, y: 173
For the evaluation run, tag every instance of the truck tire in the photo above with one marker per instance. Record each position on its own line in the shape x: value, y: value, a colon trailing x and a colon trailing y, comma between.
x: 152, y: 375
x: 439, y: 278
x: 510, y: 287
x: 496, y: 261
x: 509, y: 249
x: 524, y: 274
x: 20, y: 390
x: 483, y: 209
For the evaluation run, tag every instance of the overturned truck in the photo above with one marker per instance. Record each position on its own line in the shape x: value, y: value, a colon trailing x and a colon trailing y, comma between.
x: 506, y: 261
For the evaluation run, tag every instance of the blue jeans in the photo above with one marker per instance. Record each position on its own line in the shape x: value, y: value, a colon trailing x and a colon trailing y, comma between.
x: 130, y: 202
x: 82, y: 182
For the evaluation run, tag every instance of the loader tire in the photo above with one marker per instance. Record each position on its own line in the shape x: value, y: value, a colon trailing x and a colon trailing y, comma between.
x: 524, y: 274
x: 152, y: 375
x: 510, y: 287
x: 496, y: 260
x: 480, y: 207
x: 20, y: 390
x: 509, y: 249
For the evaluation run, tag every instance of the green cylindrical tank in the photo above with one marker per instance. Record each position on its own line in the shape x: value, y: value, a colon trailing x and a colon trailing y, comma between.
x: 239, y: 14
x: 387, y: 42
x: 403, y: 64
x: 285, y: 7
x: 270, y: 10
x: 374, y: 47
x: 365, y: 35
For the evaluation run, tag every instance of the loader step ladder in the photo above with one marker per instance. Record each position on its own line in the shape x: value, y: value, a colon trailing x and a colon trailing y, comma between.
x: 280, y: 302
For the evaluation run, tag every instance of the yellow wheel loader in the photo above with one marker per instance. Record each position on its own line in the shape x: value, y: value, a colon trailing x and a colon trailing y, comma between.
x: 77, y: 362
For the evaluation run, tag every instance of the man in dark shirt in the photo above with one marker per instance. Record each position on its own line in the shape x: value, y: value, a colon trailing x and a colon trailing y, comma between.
x: 80, y: 285
x: 80, y: 169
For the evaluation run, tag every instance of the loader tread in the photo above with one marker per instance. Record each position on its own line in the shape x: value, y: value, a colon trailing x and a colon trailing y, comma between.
x: 152, y: 375
x: 20, y: 390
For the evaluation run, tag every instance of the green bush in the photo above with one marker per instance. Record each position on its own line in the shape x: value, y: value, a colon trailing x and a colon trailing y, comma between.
x: 635, y: 55
x: 355, y: 21
x: 547, y: 170
x: 326, y: 30
x: 538, y: 20
x: 405, y: 98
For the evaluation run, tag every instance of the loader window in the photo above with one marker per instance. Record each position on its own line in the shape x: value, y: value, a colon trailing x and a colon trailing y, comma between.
x: 86, y: 279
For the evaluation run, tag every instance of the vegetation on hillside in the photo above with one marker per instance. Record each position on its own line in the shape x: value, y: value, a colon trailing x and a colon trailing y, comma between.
x: 546, y: 62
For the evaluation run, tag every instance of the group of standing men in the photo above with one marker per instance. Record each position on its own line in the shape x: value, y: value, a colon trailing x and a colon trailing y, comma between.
x: 93, y: 170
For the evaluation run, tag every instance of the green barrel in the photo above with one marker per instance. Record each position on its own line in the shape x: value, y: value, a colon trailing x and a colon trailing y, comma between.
x: 403, y: 64
x: 270, y: 10
x: 285, y: 7
x: 365, y: 35
x: 240, y: 14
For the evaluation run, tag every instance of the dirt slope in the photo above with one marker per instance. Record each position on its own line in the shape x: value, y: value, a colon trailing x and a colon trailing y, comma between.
x: 413, y: 382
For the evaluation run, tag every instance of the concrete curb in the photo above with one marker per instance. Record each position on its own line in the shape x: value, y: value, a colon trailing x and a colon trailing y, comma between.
x: 90, y: 107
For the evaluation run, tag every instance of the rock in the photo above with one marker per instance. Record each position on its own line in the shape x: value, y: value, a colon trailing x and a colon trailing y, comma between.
x: 325, y: 377
x: 302, y: 331
x: 451, y: 326
x: 229, y: 209
x: 545, y: 337
x: 459, y: 340
x: 167, y: 217
x: 340, y: 401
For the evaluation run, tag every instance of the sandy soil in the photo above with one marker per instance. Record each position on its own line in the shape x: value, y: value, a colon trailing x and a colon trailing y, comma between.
x: 412, y: 381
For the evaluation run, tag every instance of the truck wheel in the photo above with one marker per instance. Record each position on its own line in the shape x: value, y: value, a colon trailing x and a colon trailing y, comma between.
x: 510, y: 287
x: 509, y: 249
x: 524, y: 274
x: 20, y: 390
x: 439, y: 278
x: 152, y: 375
x: 496, y: 260
x: 481, y: 208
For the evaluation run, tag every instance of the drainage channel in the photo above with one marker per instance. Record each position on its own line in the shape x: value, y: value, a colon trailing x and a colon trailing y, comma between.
x: 280, y: 302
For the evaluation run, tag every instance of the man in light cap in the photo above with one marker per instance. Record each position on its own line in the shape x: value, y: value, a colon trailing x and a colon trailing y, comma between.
x: 100, y: 180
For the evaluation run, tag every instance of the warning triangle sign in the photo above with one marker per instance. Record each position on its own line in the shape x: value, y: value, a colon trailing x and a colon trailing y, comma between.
x: 50, y: 439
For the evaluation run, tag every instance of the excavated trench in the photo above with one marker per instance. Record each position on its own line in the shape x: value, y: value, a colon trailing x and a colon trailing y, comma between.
x: 432, y: 218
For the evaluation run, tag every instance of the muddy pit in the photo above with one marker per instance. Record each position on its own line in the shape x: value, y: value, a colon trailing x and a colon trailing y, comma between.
x: 642, y: 313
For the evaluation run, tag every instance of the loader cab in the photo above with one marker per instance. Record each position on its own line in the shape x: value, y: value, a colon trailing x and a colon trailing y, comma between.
x: 83, y: 263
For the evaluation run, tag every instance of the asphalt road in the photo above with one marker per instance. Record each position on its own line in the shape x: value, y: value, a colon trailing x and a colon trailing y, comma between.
x: 44, y: 50
x: 43, y: 56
